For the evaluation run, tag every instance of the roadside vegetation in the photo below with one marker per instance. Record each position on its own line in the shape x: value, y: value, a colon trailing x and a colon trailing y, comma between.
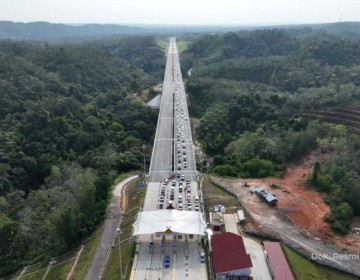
x: 112, y: 270
x: 69, y: 125
x: 163, y: 44
x: 214, y: 195
x: 182, y: 45
x: 304, y: 269
x: 64, y: 263
x: 257, y: 95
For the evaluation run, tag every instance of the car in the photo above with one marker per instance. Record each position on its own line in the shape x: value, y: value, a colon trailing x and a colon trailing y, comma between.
x: 185, y: 165
x: 202, y: 257
x: 180, y: 189
x: 182, y: 177
x: 179, y: 167
x: 173, y: 183
x: 180, y: 206
x: 197, y: 207
x: 196, y: 199
x: 161, y: 206
x: 189, y: 206
x: 162, y: 198
x: 178, y: 175
x: 185, y: 159
x: 188, y: 195
x: 184, y: 152
x: 188, y: 180
x: 166, y: 181
x: 179, y: 160
x: 172, y: 196
x: 167, y: 261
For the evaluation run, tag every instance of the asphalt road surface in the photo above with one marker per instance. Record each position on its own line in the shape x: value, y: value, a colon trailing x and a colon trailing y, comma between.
x: 172, y: 160
x: 173, y: 150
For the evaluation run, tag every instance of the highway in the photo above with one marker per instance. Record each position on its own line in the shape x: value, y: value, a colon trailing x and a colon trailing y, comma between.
x: 172, y: 181
x: 173, y: 129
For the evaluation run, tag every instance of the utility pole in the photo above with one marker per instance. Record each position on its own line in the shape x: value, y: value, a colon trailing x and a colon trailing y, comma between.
x: 118, y: 232
x: 144, y: 149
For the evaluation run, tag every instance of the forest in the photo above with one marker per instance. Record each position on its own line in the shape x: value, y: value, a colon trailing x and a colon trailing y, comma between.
x: 267, y: 98
x: 69, y: 125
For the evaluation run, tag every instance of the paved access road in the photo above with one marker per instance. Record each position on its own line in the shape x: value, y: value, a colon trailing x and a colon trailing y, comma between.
x: 112, y: 221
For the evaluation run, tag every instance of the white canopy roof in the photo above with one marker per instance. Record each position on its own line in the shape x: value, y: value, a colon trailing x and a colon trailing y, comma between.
x: 169, y: 222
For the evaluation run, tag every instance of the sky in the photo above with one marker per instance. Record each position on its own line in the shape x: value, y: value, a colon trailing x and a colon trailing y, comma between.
x: 203, y: 12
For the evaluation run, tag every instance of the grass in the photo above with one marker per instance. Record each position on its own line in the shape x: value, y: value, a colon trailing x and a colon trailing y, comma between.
x: 182, y: 45
x: 136, y: 200
x: 60, y: 271
x: 304, y: 269
x: 36, y: 275
x: 163, y: 45
x: 214, y: 195
x: 87, y: 254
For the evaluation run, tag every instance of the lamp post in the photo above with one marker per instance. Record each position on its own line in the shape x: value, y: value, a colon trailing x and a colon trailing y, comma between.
x: 207, y: 167
x: 118, y: 233
x: 144, y: 149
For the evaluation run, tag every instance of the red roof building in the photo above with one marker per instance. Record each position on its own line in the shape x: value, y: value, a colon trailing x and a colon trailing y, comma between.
x: 229, y: 256
x: 277, y: 262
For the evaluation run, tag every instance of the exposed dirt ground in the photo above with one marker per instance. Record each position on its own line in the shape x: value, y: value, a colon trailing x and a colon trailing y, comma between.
x: 302, y: 206
x: 124, y: 199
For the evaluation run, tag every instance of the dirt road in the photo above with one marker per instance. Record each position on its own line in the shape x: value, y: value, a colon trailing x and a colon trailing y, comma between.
x: 113, y: 220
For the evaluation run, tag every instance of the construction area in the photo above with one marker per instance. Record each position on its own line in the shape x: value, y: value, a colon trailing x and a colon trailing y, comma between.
x: 297, y: 218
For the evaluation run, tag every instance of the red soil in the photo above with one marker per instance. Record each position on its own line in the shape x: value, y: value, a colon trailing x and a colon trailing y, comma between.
x: 303, y: 206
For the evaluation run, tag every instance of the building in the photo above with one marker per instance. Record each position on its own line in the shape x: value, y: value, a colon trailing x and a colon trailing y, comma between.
x: 278, y: 265
x: 268, y: 196
x: 230, y: 260
x: 216, y: 221
x: 216, y: 218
